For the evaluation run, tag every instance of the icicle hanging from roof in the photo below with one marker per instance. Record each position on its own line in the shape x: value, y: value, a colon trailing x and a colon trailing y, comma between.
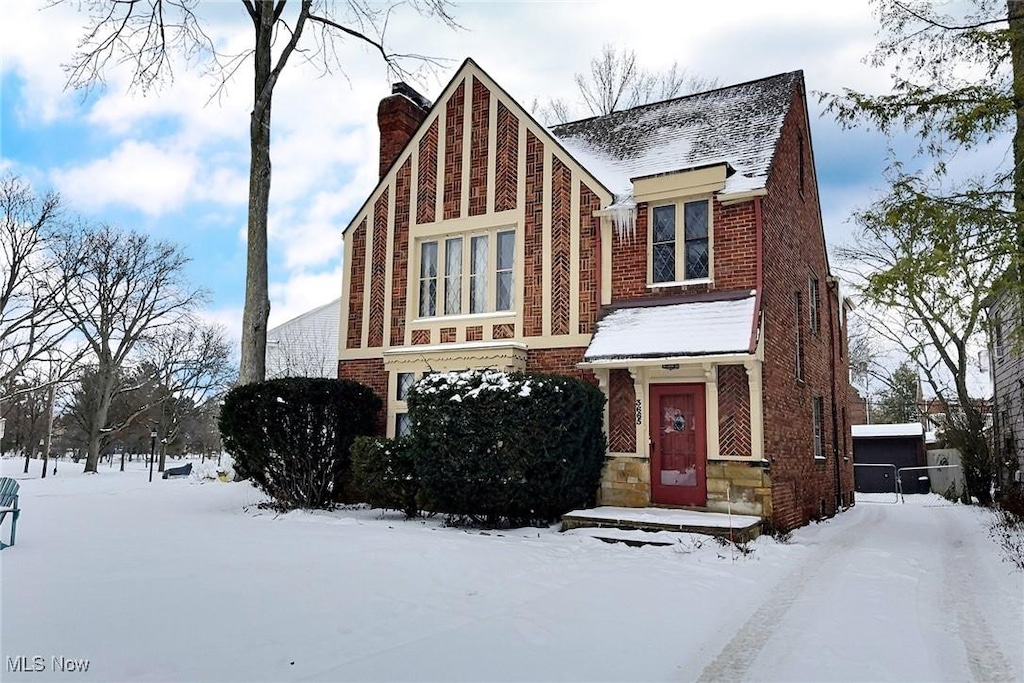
x: 623, y: 215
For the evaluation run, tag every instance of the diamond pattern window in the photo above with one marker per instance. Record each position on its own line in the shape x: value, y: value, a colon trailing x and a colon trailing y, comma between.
x: 504, y: 273
x: 680, y: 242
x: 453, y: 276
x: 428, y: 279
x: 478, y: 274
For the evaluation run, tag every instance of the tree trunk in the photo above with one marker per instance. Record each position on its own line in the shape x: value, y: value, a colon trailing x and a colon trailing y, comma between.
x: 49, y: 426
x: 1015, y: 14
x: 257, y: 299
x: 105, y: 383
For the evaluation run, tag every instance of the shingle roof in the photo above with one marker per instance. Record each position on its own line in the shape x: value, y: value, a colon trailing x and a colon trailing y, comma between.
x: 738, y: 125
x: 697, y: 328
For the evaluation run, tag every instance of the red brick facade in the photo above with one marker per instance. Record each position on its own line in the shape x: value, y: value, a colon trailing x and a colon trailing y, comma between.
x: 621, y: 412
x: 454, y: 112
x: 478, y: 150
x: 371, y: 373
x: 772, y: 244
x: 794, y: 252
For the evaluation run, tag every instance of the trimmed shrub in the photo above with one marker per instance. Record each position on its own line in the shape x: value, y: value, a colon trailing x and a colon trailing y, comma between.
x: 292, y: 436
x: 384, y: 474
x: 499, y: 448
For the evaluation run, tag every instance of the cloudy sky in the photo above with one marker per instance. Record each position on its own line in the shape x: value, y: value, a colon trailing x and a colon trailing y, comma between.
x: 174, y: 162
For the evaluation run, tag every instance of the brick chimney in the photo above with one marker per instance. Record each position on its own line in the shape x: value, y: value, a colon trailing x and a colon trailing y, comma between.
x: 398, y: 117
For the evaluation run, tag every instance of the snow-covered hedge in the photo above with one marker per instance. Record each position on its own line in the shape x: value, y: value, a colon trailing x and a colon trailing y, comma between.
x: 503, y: 448
x: 384, y: 474
x: 291, y: 436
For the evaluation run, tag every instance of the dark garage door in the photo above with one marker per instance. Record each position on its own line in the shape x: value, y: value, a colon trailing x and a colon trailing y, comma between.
x: 898, y: 451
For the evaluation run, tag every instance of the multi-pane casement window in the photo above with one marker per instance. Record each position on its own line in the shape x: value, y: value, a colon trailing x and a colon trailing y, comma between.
x: 478, y: 274
x: 818, y: 408
x: 813, y: 305
x: 405, y: 380
x: 680, y: 242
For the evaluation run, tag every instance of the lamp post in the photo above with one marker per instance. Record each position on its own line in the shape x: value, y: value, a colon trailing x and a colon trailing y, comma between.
x: 152, y: 452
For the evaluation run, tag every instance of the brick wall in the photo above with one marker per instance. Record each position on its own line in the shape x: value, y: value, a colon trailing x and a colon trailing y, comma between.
x: 733, y: 411
x: 398, y: 117
x: 533, y: 237
x: 370, y: 372
x: 378, y: 272
x: 561, y: 202
x: 621, y: 412
x: 590, y: 231
x: 454, y: 112
x: 478, y: 149
x: 400, y: 253
x: 793, y: 250
x: 506, y: 162
x: 357, y: 269
x: 426, y: 176
x: 559, y: 361
x: 734, y: 240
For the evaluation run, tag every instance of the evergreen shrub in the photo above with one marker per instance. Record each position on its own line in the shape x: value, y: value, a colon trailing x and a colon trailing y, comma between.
x: 507, y: 448
x: 384, y: 474
x: 291, y: 437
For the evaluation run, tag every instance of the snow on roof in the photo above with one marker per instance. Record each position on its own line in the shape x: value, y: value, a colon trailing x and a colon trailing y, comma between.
x: 697, y: 328
x: 879, y: 430
x: 738, y: 125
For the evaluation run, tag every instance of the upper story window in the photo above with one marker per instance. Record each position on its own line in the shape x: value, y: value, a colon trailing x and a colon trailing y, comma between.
x: 818, y: 420
x: 479, y: 274
x: 680, y: 254
x: 813, y: 305
x: 997, y: 333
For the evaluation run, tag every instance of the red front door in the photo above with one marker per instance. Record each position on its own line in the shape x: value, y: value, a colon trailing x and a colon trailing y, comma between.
x: 678, y: 445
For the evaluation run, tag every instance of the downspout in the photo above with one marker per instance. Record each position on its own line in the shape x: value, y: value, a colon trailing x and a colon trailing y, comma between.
x: 833, y: 286
x: 759, y: 230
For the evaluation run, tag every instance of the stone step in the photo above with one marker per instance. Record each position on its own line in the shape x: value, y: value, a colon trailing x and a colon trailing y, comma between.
x: 738, y: 528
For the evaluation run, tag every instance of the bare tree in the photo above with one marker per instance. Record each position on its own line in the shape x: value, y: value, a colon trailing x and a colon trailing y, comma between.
x: 146, y: 34
x: 30, y: 325
x: 192, y: 365
x: 927, y: 269
x: 121, y: 289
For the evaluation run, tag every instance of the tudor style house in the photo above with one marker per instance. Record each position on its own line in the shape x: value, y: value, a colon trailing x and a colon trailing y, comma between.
x: 673, y: 254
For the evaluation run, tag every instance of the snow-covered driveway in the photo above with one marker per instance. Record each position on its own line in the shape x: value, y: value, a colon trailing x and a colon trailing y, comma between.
x: 176, y: 581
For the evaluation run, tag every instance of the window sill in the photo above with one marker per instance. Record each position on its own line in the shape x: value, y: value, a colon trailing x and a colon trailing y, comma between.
x: 463, y: 317
x: 820, y: 459
x: 682, y: 283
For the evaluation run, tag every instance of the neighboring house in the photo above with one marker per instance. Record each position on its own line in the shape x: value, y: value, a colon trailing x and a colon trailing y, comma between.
x: 306, y: 345
x: 673, y: 254
x: 877, y: 446
x: 1005, y: 317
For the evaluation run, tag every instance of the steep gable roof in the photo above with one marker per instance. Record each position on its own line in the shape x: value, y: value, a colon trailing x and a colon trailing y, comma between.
x: 738, y: 125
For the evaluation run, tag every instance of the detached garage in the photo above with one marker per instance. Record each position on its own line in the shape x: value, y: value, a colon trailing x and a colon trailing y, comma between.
x: 895, y: 445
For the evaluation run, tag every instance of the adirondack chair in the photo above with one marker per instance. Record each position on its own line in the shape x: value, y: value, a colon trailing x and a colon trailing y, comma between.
x: 9, y: 506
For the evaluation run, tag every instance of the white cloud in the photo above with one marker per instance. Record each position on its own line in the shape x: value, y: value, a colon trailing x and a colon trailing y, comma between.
x: 301, y: 292
x: 136, y: 174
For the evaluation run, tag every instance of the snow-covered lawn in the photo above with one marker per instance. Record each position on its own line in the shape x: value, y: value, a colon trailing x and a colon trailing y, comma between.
x: 185, y: 581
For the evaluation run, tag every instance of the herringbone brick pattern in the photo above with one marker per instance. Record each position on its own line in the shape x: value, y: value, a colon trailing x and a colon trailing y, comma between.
x: 621, y: 412
x: 533, y: 237
x: 355, y: 301
x: 453, y: 117
x: 478, y: 149
x: 378, y: 270
x: 426, y: 176
x: 420, y: 337
x: 503, y: 331
x: 589, y: 227
x: 506, y: 163
x: 400, y: 252
x: 733, y: 411
x: 561, y: 201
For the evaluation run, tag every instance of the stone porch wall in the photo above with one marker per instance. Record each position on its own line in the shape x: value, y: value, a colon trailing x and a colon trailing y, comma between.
x: 625, y: 482
x: 740, y: 487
